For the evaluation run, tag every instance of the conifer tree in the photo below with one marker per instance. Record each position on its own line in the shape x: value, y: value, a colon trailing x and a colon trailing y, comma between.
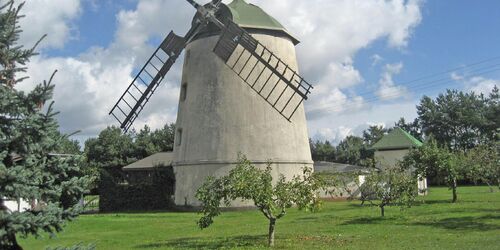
x: 30, y: 168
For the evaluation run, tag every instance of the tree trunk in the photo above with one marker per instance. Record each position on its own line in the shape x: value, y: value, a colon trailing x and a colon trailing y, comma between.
x: 490, y: 186
x: 382, y: 211
x: 272, y: 224
x: 14, y: 246
x: 454, y: 189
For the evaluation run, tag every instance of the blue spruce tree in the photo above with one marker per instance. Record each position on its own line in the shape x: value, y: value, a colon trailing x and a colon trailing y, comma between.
x: 30, y: 168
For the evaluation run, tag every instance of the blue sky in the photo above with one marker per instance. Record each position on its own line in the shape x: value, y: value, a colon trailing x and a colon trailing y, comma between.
x: 369, y: 47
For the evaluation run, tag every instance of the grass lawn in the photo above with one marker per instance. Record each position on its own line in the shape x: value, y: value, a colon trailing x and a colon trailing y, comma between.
x: 472, y: 223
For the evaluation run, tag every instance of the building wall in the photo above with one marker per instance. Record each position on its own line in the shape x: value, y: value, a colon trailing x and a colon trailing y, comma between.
x: 390, y: 158
x: 17, y: 206
x: 220, y: 116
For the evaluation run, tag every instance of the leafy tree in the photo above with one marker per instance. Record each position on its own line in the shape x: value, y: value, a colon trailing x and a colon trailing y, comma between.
x: 373, y: 134
x: 492, y: 121
x: 413, y: 128
x: 483, y: 164
x: 458, y: 120
x: 431, y: 159
x: 351, y: 150
x: 68, y: 146
x: 322, y: 151
x: 110, y: 149
x: 250, y: 183
x: 149, y: 142
x: 389, y: 187
x: 29, y: 137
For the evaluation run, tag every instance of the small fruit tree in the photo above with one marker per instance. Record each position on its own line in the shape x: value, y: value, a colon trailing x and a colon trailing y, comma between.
x: 271, y: 197
x: 389, y: 187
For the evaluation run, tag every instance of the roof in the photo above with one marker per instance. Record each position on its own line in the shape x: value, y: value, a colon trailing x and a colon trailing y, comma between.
x: 333, y: 167
x: 150, y: 162
x: 249, y: 16
x: 397, y: 139
x: 252, y: 16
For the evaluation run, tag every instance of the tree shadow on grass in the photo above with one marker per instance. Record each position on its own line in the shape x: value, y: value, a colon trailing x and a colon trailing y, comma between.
x: 469, y: 223
x: 366, y: 220
x: 210, y: 243
x: 424, y: 202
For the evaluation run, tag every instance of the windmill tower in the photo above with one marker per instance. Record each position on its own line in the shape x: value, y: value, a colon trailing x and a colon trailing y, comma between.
x: 240, y: 92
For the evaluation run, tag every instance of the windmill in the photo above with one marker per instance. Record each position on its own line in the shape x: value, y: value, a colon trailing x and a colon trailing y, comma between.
x: 240, y: 92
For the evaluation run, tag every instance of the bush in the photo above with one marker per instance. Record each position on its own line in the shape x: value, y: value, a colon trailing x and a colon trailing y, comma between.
x: 118, y: 194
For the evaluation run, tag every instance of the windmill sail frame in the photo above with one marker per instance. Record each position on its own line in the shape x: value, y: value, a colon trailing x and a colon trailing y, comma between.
x: 135, y: 97
x: 254, y: 64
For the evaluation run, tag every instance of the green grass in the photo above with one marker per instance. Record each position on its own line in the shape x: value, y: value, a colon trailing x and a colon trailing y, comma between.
x: 472, y: 223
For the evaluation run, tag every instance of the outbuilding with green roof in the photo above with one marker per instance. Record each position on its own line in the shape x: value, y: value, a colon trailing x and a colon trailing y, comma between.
x: 397, y: 139
x: 393, y: 147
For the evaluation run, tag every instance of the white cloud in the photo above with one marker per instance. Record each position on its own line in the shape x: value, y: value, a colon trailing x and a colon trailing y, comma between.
x: 334, y: 135
x: 388, y: 90
x: 340, y: 75
x: 477, y: 84
x: 335, y: 102
x: 52, y: 17
x: 332, y: 32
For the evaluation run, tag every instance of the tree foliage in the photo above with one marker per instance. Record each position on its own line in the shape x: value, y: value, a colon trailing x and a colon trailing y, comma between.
x: 349, y: 150
x: 352, y: 150
x: 413, y: 128
x: 271, y: 197
x: 322, y: 151
x: 483, y: 164
x: 112, y: 148
x: 373, y: 134
x: 149, y: 142
x: 29, y: 143
x: 431, y: 159
x: 458, y: 120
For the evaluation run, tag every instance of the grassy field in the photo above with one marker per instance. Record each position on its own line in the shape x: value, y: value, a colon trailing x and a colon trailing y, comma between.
x: 472, y: 223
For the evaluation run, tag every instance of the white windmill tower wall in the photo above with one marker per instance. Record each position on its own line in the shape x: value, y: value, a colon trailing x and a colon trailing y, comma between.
x: 220, y: 115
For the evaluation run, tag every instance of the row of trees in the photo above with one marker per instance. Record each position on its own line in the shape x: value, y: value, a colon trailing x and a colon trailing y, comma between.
x: 355, y: 150
x: 480, y: 164
x: 113, y: 149
x: 458, y: 122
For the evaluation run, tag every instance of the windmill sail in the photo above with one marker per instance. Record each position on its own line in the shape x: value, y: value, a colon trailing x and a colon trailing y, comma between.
x: 138, y: 93
x: 282, y: 87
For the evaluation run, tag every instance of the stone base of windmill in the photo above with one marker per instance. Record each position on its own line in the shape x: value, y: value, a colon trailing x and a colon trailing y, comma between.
x: 188, y: 178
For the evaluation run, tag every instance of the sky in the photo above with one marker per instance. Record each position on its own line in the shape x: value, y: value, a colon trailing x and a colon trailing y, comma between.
x: 370, y: 60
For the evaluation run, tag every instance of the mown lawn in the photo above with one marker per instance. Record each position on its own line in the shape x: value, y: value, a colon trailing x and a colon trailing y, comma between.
x: 472, y: 223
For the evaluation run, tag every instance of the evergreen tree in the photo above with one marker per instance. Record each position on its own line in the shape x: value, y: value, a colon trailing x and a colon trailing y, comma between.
x: 29, y: 141
x: 460, y: 121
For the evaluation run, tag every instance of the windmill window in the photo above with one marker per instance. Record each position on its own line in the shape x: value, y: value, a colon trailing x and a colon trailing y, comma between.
x: 179, y: 136
x: 186, y: 58
x: 184, y: 91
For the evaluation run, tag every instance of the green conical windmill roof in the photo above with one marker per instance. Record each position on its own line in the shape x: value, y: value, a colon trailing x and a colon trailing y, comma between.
x: 397, y: 139
x: 251, y: 16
